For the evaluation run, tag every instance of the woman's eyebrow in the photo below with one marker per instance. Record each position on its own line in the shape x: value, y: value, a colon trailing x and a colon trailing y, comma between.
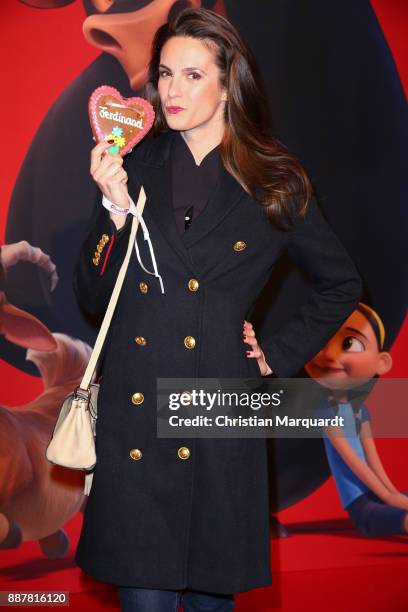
x: 357, y: 331
x: 184, y: 69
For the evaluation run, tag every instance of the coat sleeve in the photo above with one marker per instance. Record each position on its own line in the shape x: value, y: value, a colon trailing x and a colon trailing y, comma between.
x: 99, y: 260
x: 315, y: 249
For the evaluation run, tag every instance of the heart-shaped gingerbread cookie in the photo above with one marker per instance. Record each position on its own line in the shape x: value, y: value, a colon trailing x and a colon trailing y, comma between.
x: 125, y: 121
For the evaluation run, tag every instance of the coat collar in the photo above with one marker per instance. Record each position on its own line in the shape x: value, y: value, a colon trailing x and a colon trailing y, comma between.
x: 152, y: 168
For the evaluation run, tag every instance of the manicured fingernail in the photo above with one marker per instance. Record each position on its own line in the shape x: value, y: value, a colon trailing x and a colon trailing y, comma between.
x: 111, y: 141
x: 248, y: 352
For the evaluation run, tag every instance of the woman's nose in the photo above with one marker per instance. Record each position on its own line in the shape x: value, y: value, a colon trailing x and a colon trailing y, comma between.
x: 174, y: 87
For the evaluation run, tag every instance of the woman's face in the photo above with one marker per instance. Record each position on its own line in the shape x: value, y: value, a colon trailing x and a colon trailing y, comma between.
x: 189, y: 80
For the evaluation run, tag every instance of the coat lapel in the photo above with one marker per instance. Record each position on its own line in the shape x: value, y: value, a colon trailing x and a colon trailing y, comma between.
x: 153, y: 170
x: 227, y: 193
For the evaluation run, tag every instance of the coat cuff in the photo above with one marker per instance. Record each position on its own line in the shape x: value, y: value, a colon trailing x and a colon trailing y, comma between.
x: 107, y: 240
x: 100, y: 258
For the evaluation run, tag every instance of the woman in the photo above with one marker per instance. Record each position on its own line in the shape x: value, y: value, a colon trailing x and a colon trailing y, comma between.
x: 224, y: 199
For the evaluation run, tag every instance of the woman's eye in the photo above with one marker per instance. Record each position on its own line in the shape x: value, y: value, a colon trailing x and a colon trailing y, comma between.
x: 195, y: 75
x: 163, y: 73
x: 353, y: 345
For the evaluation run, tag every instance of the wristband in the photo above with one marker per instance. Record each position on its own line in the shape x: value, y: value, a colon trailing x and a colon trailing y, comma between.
x: 117, y: 210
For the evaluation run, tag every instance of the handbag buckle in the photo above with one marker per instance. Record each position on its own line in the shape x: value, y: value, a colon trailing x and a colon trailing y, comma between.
x: 84, y: 394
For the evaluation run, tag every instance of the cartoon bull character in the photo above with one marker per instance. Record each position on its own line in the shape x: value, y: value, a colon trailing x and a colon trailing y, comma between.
x: 37, y: 498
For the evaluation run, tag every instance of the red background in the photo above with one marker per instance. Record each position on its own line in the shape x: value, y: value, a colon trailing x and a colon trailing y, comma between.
x: 42, y: 52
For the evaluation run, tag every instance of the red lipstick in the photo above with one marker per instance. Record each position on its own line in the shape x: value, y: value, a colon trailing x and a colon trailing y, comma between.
x: 174, y: 109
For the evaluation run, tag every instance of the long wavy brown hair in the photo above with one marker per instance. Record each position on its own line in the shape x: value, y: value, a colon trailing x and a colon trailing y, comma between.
x: 263, y: 166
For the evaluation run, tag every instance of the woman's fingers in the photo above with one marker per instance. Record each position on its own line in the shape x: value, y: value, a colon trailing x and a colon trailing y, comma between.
x: 255, y: 349
x: 109, y: 161
x: 97, y: 155
x: 108, y: 173
x: 101, y: 158
x: 250, y: 340
x: 104, y: 175
x: 249, y: 334
x: 256, y: 352
x: 109, y: 176
x: 109, y: 158
x: 119, y: 176
x: 248, y: 330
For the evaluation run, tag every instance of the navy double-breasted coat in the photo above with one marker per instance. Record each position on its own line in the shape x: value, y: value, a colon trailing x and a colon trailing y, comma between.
x: 158, y: 517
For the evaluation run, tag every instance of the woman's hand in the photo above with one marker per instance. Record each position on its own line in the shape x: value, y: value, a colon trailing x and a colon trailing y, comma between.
x: 107, y: 172
x: 256, y: 352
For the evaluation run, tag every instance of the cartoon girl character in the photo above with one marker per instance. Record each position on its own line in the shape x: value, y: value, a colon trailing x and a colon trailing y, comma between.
x: 353, y: 356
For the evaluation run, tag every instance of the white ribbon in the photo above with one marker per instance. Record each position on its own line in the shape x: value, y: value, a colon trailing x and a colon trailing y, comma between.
x: 132, y: 210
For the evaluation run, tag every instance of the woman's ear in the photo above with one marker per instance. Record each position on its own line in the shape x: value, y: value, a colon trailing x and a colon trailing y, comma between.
x: 384, y: 363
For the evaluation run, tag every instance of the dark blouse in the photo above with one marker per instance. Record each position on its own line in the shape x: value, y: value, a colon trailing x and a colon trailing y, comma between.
x: 192, y: 184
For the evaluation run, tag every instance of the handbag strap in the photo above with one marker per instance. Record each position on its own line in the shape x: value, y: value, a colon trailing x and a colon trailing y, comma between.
x: 90, y: 369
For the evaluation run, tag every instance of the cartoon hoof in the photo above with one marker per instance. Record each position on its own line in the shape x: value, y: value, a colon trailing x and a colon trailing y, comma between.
x: 55, y: 545
x: 13, y: 537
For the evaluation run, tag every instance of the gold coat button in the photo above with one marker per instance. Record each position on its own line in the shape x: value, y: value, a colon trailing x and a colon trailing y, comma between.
x: 144, y: 287
x: 96, y: 261
x: 140, y: 340
x: 105, y: 238
x: 193, y: 284
x: 239, y: 246
x: 135, y: 453
x: 189, y: 342
x: 183, y: 452
x: 138, y: 398
x: 100, y: 247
